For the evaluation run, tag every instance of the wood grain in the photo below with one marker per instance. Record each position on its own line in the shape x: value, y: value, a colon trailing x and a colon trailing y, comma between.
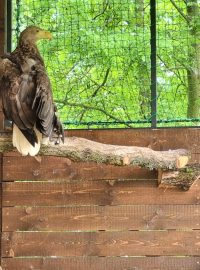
x: 157, y: 139
x: 110, y: 218
x: 75, y: 204
x: 103, y: 263
x: 57, y: 168
x: 129, y: 243
x: 160, y: 139
x: 95, y: 193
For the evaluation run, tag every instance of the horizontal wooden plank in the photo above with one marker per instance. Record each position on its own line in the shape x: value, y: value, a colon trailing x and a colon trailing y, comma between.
x: 160, y: 139
x: 157, y: 139
x: 131, y: 243
x: 57, y: 168
x: 95, y: 193
x: 92, y: 218
x: 106, y: 263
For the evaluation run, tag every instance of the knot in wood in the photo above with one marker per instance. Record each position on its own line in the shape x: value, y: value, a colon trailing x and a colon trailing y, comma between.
x: 36, y: 172
x: 28, y: 210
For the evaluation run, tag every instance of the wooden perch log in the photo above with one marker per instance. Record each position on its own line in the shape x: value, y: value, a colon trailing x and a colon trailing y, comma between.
x: 80, y: 149
x: 183, y: 178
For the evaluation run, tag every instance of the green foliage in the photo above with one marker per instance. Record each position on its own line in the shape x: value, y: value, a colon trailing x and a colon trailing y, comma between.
x: 99, y: 59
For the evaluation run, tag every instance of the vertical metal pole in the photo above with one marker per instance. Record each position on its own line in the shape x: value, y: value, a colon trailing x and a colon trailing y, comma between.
x: 153, y: 64
x: 9, y: 26
x: 8, y: 42
x: 2, y: 48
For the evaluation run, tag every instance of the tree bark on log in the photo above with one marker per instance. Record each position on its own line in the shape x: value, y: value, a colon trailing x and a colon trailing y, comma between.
x: 80, y: 149
x: 183, y: 178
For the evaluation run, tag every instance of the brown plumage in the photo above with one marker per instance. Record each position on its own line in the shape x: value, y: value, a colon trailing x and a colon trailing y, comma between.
x: 26, y: 94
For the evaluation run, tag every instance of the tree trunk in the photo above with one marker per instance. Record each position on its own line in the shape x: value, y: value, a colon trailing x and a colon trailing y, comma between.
x: 142, y: 68
x: 193, y: 72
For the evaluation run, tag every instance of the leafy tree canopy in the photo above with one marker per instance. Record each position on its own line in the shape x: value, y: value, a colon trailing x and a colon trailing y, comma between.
x: 99, y: 59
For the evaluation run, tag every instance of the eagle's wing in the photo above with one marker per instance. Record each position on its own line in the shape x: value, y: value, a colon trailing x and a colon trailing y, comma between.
x: 47, y: 122
x: 27, y: 99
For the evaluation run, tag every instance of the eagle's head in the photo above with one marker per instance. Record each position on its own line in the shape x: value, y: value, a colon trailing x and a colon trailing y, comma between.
x: 33, y: 33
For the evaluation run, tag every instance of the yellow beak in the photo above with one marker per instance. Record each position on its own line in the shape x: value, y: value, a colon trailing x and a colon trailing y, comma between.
x: 43, y: 34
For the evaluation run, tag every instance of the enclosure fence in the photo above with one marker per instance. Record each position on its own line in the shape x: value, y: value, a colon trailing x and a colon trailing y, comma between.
x: 119, y: 63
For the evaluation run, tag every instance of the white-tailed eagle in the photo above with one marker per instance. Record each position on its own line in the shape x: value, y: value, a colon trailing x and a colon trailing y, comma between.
x: 26, y: 94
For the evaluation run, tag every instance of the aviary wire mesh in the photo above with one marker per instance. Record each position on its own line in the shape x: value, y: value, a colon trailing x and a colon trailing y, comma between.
x: 99, y: 59
x: 178, y: 62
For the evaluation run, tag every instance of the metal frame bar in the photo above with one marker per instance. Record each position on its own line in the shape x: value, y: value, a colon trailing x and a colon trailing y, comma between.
x: 153, y: 86
x: 8, y: 25
x: 8, y: 41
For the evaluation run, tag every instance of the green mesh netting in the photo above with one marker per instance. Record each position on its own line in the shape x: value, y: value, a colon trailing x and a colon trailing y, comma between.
x: 99, y: 60
x: 178, y: 61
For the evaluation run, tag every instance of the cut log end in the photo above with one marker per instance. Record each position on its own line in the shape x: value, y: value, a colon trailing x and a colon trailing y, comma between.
x: 182, y: 161
x: 126, y: 161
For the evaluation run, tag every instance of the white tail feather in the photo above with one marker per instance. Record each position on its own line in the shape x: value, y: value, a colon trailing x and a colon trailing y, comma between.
x: 22, y: 144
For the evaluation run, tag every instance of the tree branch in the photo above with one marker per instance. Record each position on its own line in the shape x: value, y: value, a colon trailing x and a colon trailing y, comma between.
x: 172, y: 69
x: 103, y: 11
x: 180, y: 11
x: 103, y: 83
x: 88, y: 107
x: 97, y: 89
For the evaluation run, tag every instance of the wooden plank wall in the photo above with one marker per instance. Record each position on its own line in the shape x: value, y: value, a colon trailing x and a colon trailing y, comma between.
x: 59, y: 214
